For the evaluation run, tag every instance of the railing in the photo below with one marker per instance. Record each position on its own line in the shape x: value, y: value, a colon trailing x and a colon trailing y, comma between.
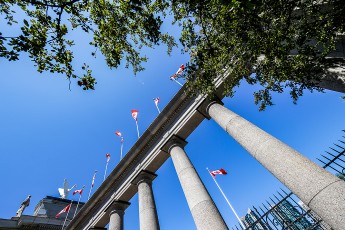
x: 334, y: 160
x: 285, y: 211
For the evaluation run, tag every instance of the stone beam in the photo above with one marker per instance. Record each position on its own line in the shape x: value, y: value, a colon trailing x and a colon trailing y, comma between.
x: 180, y: 117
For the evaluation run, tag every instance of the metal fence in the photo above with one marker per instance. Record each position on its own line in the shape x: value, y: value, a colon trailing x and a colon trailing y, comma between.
x: 334, y: 159
x: 284, y: 211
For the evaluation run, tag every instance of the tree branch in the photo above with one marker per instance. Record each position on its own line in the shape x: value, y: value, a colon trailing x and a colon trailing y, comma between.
x: 35, y: 2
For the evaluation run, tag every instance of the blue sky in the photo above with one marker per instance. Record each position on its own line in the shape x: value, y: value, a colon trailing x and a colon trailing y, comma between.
x: 49, y: 133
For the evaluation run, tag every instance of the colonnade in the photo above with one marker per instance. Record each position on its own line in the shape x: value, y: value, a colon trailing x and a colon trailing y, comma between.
x: 323, y: 192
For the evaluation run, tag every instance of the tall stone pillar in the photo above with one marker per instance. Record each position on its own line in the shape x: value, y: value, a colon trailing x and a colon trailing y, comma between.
x: 205, y: 213
x: 147, y: 208
x: 323, y: 192
x: 116, y: 215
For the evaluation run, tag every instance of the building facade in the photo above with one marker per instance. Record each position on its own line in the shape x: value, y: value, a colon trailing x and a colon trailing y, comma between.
x: 43, y: 217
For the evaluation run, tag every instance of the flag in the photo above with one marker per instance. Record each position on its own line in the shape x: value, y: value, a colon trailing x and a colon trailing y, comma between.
x: 118, y: 133
x: 180, y: 70
x: 93, y: 180
x: 108, y: 157
x: 66, y: 209
x: 156, y: 100
x: 80, y: 191
x: 220, y: 171
x: 135, y: 114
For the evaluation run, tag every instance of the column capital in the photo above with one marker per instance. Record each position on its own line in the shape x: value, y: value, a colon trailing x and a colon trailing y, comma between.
x: 144, y: 175
x: 210, y: 100
x: 172, y: 142
x: 118, y: 205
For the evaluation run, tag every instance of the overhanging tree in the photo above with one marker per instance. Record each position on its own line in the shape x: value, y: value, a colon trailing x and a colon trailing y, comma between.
x: 278, y: 44
x: 119, y: 28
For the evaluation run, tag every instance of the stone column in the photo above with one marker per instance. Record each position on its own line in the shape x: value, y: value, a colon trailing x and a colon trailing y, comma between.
x: 204, y: 211
x: 116, y: 215
x: 323, y: 192
x: 147, y: 208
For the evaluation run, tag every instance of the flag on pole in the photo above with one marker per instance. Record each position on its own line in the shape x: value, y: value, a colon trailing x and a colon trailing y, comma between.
x: 220, y: 171
x: 135, y: 117
x: 180, y: 70
x: 106, y: 165
x: 66, y: 209
x: 108, y: 157
x: 93, y: 179
x: 135, y: 114
x: 223, y: 172
x: 118, y: 133
x: 92, y: 183
x: 156, y: 100
x: 80, y: 191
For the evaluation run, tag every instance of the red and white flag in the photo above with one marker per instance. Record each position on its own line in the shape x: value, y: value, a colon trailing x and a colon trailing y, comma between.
x: 66, y: 209
x: 180, y: 70
x: 108, y: 157
x: 220, y: 171
x: 156, y: 100
x: 118, y: 133
x: 93, y: 180
x: 80, y: 191
x: 135, y: 114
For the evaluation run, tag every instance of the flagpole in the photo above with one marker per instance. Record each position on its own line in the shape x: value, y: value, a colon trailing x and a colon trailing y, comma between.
x: 105, y: 171
x: 157, y: 108
x: 136, y: 122
x: 233, y: 210
x: 92, y: 184
x: 178, y: 82
x: 75, y: 213
x: 63, y: 226
x: 121, y: 148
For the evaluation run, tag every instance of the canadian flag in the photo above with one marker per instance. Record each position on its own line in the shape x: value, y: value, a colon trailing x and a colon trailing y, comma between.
x: 118, y: 133
x: 93, y: 180
x: 180, y: 70
x: 80, y: 191
x: 220, y: 171
x: 156, y: 100
x: 108, y: 157
x: 66, y: 209
x: 135, y: 114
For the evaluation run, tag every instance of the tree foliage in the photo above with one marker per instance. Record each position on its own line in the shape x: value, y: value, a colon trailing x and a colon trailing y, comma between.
x: 119, y: 28
x: 278, y: 44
